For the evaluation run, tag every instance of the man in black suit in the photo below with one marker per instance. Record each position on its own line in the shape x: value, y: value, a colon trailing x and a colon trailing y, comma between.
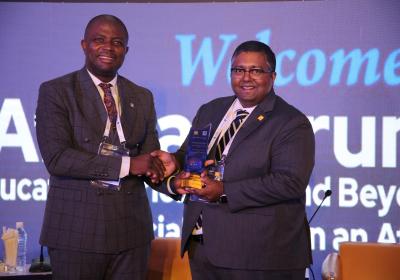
x: 98, y: 222
x: 252, y: 224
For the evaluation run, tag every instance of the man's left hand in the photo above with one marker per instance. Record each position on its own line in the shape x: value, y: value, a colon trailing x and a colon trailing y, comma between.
x: 211, y: 191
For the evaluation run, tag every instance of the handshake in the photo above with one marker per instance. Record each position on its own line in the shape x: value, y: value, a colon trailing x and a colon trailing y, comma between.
x: 156, y: 166
x: 159, y: 165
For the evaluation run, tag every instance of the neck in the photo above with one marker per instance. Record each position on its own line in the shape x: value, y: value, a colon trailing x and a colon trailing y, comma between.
x: 104, y: 77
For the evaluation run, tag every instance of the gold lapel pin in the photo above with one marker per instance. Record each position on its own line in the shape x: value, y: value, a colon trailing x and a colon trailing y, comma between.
x: 260, y: 117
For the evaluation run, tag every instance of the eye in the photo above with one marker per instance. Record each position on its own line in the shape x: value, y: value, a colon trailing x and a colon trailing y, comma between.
x: 98, y: 40
x: 118, y: 43
x: 256, y: 71
x: 238, y: 70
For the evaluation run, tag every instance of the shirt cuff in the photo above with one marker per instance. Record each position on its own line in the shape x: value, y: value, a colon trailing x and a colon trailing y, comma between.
x: 125, y: 164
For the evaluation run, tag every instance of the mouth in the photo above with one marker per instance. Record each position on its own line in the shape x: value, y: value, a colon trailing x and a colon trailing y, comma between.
x: 247, y: 87
x: 106, y: 58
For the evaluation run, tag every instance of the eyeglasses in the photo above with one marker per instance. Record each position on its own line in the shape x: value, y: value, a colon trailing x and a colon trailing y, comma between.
x: 253, y: 72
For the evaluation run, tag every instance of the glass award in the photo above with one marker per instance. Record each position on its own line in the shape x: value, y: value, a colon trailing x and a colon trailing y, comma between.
x: 215, y: 172
x: 196, y: 155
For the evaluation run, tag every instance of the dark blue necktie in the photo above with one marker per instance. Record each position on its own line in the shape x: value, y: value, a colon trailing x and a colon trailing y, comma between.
x: 230, y: 132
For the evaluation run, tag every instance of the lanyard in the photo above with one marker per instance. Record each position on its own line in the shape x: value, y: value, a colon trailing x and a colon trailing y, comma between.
x: 223, y: 126
x: 119, y: 130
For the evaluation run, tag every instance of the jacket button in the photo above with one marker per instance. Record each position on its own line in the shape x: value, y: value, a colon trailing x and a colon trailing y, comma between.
x: 86, y: 139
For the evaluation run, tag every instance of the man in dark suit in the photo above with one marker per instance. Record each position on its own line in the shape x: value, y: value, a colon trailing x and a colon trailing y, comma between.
x: 97, y: 222
x: 252, y: 224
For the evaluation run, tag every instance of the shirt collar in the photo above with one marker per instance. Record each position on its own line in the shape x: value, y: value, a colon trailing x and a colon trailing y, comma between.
x: 97, y: 81
x: 238, y: 106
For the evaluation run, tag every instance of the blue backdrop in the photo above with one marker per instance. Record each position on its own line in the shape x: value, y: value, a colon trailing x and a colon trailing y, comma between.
x: 337, y: 61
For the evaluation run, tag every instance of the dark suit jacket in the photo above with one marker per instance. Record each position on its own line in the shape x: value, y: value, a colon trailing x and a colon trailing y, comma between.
x: 70, y: 122
x: 263, y: 225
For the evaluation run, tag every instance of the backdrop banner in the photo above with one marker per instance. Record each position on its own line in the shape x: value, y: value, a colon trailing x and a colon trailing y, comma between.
x: 337, y: 61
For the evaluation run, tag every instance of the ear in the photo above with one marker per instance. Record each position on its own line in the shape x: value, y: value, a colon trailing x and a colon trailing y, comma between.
x: 126, y: 49
x: 273, y: 76
x: 83, y: 45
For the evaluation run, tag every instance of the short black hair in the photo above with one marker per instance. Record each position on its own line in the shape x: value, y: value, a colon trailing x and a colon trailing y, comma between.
x: 256, y: 46
x: 109, y: 18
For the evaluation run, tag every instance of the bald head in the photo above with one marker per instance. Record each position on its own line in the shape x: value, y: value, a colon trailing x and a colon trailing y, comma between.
x: 105, y: 45
x: 106, y: 18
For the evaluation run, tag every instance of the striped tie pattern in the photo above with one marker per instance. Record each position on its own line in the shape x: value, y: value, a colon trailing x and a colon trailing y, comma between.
x: 198, y: 227
x: 230, y: 132
x: 110, y: 104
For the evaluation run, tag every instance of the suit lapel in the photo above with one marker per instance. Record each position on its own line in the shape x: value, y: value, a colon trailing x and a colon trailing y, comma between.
x: 255, y: 120
x: 215, y: 117
x: 89, y: 101
x: 128, y: 103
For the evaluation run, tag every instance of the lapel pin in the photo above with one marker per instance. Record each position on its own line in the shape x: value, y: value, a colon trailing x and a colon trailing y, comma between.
x: 131, y: 105
x: 260, y: 117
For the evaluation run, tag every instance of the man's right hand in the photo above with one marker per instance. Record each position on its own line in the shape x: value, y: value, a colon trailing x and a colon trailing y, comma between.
x: 179, y: 189
x: 149, y: 166
x: 168, y: 160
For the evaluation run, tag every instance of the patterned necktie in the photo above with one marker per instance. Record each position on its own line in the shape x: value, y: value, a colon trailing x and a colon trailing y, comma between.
x: 110, y: 104
x: 230, y: 132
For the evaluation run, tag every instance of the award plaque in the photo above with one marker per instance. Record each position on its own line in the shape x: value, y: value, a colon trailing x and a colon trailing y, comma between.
x: 196, y: 155
x: 214, y: 172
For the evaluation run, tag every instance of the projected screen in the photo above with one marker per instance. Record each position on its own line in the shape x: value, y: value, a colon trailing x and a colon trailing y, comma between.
x: 337, y: 61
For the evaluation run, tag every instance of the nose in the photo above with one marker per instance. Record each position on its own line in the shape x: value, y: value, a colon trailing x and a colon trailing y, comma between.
x: 246, y: 75
x: 107, y: 45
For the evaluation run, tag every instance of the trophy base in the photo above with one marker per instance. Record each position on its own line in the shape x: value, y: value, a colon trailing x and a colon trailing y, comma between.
x: 192, y: 182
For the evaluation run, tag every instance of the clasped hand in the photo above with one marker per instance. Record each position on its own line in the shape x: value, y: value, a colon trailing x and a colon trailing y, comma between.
x: 156, y: 165
x: 159, y: 165
x: 211, y: 190
x: 148, y: 166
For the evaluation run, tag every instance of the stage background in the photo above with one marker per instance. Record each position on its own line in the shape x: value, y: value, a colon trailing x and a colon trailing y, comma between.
x: 337, y: 61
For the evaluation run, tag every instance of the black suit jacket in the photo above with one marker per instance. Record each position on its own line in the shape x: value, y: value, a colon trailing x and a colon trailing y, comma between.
x: 70, y: 122
x: 263, y: 225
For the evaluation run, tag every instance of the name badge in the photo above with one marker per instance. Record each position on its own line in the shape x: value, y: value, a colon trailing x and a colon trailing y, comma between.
x: 107, y: 149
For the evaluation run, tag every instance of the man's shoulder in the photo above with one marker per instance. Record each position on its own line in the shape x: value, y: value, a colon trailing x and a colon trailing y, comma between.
x: 287, y: 111
x: 282, y: 104
x: 220, y: 101
x: 64, y: 79
x: 124, y: 82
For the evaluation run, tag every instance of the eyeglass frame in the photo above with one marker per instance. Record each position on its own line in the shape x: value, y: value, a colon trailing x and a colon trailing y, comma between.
x: 253, y: 72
